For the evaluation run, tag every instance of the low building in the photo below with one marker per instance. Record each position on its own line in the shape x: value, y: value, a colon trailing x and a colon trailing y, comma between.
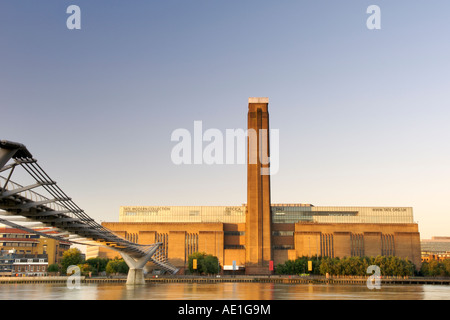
x: 20, y: 265
x: 6, y: 263
x: 23, y: 242
x: 27, y: 265
x: 438, y: 257
x: 96, y: 252
x: 436, y: 248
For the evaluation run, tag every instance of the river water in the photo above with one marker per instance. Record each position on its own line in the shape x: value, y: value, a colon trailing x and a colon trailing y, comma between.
x: 222, y: 291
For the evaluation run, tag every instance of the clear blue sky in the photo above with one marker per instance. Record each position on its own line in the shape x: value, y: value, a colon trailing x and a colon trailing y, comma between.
x: 363, y: 115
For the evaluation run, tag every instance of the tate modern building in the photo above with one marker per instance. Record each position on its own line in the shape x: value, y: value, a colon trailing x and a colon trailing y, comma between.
x: 259, y: 234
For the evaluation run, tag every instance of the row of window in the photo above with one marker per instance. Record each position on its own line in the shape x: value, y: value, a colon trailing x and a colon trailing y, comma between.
x: 184, y: 214
x: 235, y: 246
x: 387, y: 245
x: 191, y: 240
x: 19, y: 244
x: 327, y: 245
x: 23, y: 261
x: 284, y: 247
x: 283, y: 233
x: 368, y: 215
x: 132, y: 237
x: 24, y: 252
x: 357, y: 245
x: 164, y: 248
x: 20, y: 236
x: 234, y: 233
x: 30, y: 268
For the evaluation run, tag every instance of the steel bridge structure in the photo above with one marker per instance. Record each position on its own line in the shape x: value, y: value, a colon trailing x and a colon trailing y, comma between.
x: 22, y: 207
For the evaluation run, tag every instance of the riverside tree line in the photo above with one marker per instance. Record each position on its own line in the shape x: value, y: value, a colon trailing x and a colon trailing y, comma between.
x: 93, y: 266
x: 357, y: 266
x: 209, y: 264
x: 206, y: 264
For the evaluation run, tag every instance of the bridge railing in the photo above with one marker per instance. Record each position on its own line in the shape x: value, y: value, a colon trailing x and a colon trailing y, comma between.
x: 32, y: 195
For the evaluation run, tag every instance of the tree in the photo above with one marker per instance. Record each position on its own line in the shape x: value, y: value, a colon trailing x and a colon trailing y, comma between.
x: 436, y: 269
x: 211, y: 264
x: 196, y: 256
x: 299, y: 265
x: 71, y: 257
x: 446, y: 264
x: 53, y: 268
x: 97, y: 265
x: 206, y: 263
x: 326, y: 266
x: 111, y: 267
x: 424, y: 269
x: 85, y: 269
x: 122, y: 267
x: 117, y: 266
x: 280, y: 268
x: 357, y: 266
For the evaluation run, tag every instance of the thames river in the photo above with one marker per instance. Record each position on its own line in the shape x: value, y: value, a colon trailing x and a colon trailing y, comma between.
x: 222, y: 291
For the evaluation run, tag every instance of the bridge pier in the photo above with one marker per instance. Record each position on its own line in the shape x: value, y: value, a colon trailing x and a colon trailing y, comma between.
x: 135, y: 276
x: 136, y: 271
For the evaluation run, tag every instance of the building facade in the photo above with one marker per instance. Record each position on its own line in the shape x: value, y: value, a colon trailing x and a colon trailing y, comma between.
x: 259, y: 234
x: 436, y: 248
x: 23, y: 242
x: 22, y: 265
x: 296, y: 230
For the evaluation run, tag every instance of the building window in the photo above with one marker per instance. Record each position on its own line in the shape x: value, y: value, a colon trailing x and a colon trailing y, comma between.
x: 283, y: 233
x: 284, y: 247
x: 234, y: 233
x: 163, y: 249
x: 191, y: 244
x: 132, y: 237
x: 387, y: 245
x: 357, y: 245
x: 236, y: 246
x: 326, y: 245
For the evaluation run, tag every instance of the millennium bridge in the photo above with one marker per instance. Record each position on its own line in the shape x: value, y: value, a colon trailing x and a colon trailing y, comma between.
x: 22, y: 207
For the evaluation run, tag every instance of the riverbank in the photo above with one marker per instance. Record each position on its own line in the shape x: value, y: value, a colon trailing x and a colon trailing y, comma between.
x: 230, y: 279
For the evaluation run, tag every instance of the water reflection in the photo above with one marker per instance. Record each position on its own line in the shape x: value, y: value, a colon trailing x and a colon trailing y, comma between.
x: 222, y: 291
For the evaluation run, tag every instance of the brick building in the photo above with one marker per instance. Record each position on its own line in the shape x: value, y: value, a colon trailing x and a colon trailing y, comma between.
x: 254, y: 234
x: 19, y: 265
x: 23, y: 242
